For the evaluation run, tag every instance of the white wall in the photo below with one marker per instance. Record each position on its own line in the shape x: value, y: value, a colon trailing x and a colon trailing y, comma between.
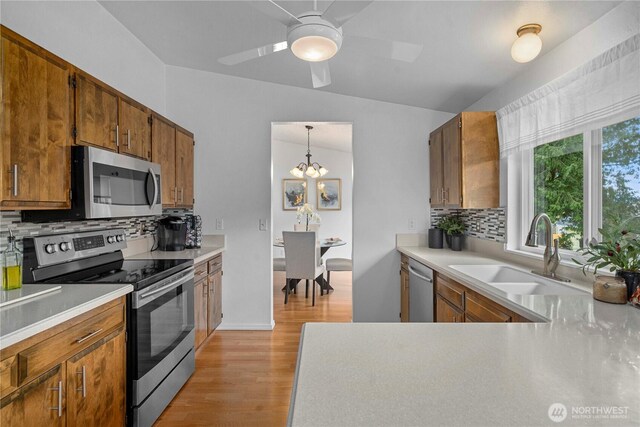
x: 86, y: 35
x: 232, y: 117
x: 286, y: 155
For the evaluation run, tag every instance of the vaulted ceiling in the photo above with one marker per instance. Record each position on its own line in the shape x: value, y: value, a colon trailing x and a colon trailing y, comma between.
x: 466, y: 50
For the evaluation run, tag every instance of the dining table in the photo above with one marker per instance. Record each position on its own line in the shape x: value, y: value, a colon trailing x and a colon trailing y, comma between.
x: 325, y: 245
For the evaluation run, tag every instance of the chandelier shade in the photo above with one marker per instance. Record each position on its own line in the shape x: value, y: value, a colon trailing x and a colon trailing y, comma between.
x: 309, y: 168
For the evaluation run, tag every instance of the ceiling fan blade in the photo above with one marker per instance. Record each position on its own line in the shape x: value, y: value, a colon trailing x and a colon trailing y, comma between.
x: 320, y: 74
x: 341, y: 11
x: 275, y: 11
x: 256, y: 52
x: 400, y: 51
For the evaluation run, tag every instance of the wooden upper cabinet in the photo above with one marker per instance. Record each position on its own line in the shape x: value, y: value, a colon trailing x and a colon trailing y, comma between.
x: 96, y: 384
x: 465, y: 166
x: 184, y: 168
x: 135, y: 130
x: 163, y: 151
x: 96, y: 113
x: 36, y: 126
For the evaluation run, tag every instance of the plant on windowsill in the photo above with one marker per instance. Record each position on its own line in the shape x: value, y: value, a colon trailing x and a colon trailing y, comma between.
x: 619, y: 250
x: 307, y: 216
x: 454, y: 228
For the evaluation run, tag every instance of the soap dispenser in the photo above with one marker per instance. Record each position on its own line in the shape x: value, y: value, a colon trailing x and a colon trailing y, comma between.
x: 11, y: 265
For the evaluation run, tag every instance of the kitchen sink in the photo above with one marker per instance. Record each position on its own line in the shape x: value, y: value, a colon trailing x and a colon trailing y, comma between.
x: 514, y: 281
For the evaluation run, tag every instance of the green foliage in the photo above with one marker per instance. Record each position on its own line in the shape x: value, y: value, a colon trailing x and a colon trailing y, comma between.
x: 619, y: 249
x: 452, y: 224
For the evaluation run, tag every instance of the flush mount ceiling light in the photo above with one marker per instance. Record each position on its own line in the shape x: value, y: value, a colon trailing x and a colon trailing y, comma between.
x: 311, y: 169
x: 528, y: 44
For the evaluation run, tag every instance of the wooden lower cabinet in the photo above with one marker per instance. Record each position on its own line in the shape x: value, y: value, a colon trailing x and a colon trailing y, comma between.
x: 446, y: 313
x: 208, y: 297
x: 66, y: 375
x: 200, y: 310
x: 404, y: 289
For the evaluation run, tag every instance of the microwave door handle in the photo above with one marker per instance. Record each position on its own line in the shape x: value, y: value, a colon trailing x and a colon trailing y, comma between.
x: 155, y: 188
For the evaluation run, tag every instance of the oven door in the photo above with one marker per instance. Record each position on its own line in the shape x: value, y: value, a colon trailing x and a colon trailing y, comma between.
x: 161, y: 331
x: 117, y: 185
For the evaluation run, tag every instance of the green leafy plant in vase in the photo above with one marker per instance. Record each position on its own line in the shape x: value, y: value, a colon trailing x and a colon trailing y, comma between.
x: 618, y: 251
x: 453, y: 227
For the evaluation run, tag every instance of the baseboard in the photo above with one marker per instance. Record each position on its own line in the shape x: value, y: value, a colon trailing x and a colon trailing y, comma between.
x: 246, y: 326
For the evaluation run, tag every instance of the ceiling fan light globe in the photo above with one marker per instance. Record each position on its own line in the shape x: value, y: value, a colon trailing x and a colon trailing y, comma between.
x: 526, y: 47
x: 314, y: 48
x: 315, y: 39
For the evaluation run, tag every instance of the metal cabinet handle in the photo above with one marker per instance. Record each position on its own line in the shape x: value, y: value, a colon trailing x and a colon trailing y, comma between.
x: 442, y: 195
x: 181, y: 195
x: 59, y: 407
x: 175, y: 194
x: 15, y: 179
x: 129, y: 139
x: 117, y: 136
x: 83, y: 387
x: 204, y: 291
x: 89, y: 335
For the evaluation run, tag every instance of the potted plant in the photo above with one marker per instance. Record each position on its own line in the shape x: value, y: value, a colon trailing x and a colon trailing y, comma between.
x: 436, y: 235
x: 454, y: 227
x: 619, y: 250
x: 307, y: 215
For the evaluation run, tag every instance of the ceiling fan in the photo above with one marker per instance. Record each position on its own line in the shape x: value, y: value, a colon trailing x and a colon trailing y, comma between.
x: 317, y: 36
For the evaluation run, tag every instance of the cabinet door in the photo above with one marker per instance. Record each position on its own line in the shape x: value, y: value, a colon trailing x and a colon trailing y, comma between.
x: 404, y: 295
x: 201, y: 290
x: 482, y: 310
x: 435, y: 167
x: 36, y: 133
x: 184, y: 168
x: 215, y: 301
x: 163, y: 151
x: 446, y: 313
x: 40, y: 402
x: 451, y: 154
x: 96, y: 384
x: 135, y: 131
x: 96, y: 113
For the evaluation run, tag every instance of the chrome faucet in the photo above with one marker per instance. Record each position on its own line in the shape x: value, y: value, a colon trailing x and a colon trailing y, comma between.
x: 551, y: 259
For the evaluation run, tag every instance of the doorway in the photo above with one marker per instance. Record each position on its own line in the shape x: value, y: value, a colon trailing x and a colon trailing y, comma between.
x: 312, y: 189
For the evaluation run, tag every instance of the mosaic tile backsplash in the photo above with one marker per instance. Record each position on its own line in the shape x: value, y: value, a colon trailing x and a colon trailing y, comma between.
x: 135, y: 227
x: 486, y: 224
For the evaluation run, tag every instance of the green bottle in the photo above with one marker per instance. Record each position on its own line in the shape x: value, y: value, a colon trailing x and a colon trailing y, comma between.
x: 11, y: 265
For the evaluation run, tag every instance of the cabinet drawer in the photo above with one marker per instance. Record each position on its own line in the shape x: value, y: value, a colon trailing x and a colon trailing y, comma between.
x: 200, y: 271
x: 451, y: 291
x: 37, y: 359
x: 215, y: 264
x: 483, y: 310
x: 8, y: 375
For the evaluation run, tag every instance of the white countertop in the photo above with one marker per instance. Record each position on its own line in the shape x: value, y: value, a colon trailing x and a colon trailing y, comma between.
x: 197, y: 255
x: 583, y: 353
x: 27, y: 318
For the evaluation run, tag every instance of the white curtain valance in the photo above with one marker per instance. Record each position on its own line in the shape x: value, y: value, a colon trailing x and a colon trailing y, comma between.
x: 603, y: 91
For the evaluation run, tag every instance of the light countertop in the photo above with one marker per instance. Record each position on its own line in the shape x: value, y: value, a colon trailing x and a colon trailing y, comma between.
x: 578, y: 352
x: 24, y: 319
x: 197, y: 255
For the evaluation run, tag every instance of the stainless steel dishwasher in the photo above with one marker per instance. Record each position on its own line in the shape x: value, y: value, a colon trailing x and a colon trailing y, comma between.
x: 420, y: 292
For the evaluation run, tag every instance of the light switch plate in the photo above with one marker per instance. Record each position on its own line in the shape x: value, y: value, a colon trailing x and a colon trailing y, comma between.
x: 412, y: 224
x: 219, y: 224
x: 262, y: 224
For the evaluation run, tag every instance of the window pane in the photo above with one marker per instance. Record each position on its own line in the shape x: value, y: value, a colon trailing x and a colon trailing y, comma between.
x: 620, y: 172
x: 558, y: 188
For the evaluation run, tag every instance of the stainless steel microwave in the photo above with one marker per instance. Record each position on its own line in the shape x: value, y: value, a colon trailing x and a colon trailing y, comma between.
x: 105, y: 184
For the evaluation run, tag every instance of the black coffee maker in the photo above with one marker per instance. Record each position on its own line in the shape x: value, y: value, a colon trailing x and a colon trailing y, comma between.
x: 172, y: 233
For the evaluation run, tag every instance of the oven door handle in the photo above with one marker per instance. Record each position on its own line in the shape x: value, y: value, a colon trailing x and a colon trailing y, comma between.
x: 155, y: 189
x: 143, y: 297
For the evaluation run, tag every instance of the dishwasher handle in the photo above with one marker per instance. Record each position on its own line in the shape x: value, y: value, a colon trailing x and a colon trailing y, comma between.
x: 420, y: 276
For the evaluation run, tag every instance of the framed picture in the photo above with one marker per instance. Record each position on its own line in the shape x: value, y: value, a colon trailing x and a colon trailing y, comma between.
x: 329, y: 194
x: 294, y: 193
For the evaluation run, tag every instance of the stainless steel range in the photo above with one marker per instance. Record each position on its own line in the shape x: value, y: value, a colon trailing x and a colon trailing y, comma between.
x: 160, y: 322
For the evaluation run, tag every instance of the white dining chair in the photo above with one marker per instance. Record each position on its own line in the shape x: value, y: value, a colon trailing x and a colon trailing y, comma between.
x: 337, y: 264
x: 302, y: 260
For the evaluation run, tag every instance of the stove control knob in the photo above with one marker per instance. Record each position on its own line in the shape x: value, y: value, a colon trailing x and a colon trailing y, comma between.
x: 50, y: 248
x: 111, y: 239
x: 120, y: 237
x: 64, y: 246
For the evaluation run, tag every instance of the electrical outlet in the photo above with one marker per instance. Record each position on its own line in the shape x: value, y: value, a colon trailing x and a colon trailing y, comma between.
x: 219, y: 224
x: 412, y: 224
x: 478, y: 229
x: 262, y: 224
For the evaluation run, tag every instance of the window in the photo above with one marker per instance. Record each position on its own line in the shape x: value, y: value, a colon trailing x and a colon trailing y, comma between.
x: 583, y: 182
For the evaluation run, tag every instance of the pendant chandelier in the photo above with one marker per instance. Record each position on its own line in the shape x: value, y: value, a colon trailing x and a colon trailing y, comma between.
x: 311, y: 169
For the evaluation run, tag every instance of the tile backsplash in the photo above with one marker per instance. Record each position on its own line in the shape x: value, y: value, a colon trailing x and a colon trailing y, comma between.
x: 486, y: 224
x: 135, y: 227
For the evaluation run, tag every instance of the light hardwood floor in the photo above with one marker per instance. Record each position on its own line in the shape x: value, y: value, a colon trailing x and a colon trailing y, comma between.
x: 244, y: 378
